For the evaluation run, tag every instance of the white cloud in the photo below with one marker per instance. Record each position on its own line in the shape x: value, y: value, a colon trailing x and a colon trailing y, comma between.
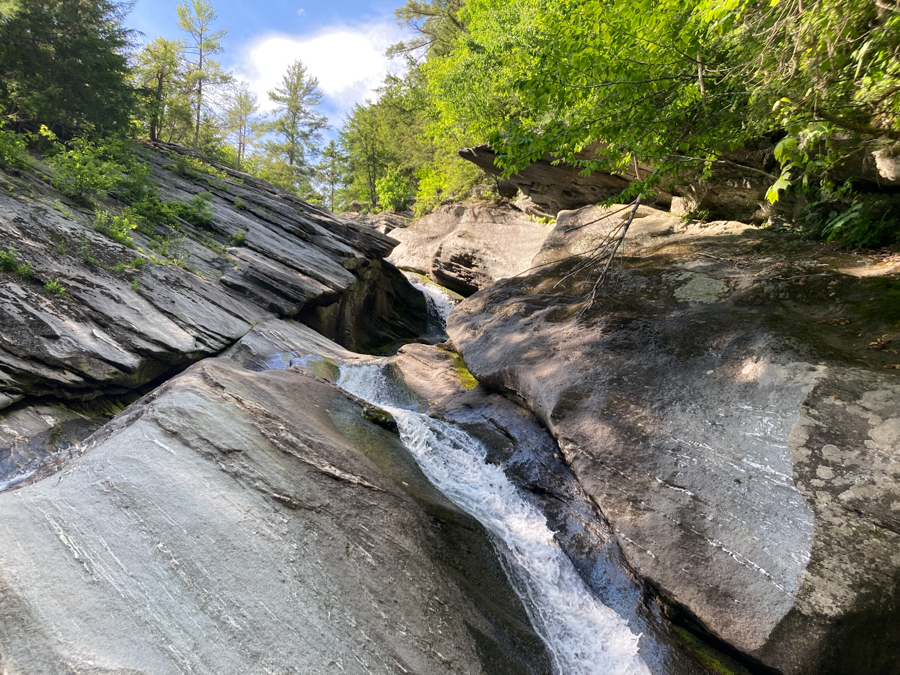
x: 349, y: 63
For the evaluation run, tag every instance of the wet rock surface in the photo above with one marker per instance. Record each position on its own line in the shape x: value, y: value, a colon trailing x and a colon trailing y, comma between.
x: 533, y: 461
x: 729, y: 404
x: 465, y: 247
x: 37, y: 440
x: 249, y: 519
x: 125, y: 321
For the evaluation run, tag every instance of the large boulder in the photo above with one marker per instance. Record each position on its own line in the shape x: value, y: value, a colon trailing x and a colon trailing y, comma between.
x: 731, y: 402
x: 122, y: 317
x: 465, y: 247
x: 246, y: 517
x: 533, y: 462
x: 383, y: 221
x: 551, y: 186
x: 734, y: 186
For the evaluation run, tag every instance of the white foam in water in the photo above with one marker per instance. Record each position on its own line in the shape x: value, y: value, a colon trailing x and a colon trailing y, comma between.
x: 584, y: 636
x: 438, y: 298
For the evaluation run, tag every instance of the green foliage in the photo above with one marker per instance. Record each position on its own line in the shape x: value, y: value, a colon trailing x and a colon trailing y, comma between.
x: 9, y: 262
x: 117, y: 228
x: 192, y: 167
x: 431, y: 191
x: 392, y: 190
x: 134, y: 284
x: 8, y: 8
x: 331, y: 173
x: 242, y: 120
x: 170, y: 250
x: 852, y: 220
x: 435, y: 24
x: 297, y: 127
x: 123, y: 265
x: 13, y: 153
x: 148, y: 212
x: 64, y: 65
x: 239, y: 205
x: 55, y: 288
x: 145, y: 208
x: 195, y: 18
x: 86, y: 168
x: 197, y: 212
x: 159, y: 79
x: 673, y: 83
x: 239, y: 238
x: 86, y: 250
x: 402, y: 130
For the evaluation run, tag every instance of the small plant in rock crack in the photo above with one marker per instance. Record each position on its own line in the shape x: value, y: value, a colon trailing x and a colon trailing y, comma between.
x: 239, y: 238
x: 85, y: 249
x: 9, y: 262
x: 170, y: 250
x: 197, y: 212
x: 55, y: 288
x: 117, y: 228
x: 63, y: 209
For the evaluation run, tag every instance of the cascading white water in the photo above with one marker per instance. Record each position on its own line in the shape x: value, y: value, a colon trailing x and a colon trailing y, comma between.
x: 583, y: 636
x: 440, y: 302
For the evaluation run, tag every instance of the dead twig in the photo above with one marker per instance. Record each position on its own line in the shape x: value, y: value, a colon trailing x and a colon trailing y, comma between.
x: 603, y: 253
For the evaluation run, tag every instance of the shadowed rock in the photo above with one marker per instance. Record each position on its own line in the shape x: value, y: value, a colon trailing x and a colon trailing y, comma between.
x: 727, y: 406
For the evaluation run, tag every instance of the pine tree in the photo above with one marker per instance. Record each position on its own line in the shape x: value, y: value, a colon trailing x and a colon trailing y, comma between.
x: 297, y: 126
x: 242, y: 120
x: 195, y: 17
x: 331, y: 172
x: 63, y: 64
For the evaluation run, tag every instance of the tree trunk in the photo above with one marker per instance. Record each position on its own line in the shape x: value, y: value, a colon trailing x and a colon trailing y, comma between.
x: 197, y: 124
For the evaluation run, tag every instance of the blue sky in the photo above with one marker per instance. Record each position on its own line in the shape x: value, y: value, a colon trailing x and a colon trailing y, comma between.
x: 341, y: 42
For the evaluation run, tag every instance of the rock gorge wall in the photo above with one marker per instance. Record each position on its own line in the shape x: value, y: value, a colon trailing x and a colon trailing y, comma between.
x: 246, y: 517
x: 727, y: 418
x: 466, y: 247
x: 731, y: 404
x: 120, y: 325
x: 734, y: 189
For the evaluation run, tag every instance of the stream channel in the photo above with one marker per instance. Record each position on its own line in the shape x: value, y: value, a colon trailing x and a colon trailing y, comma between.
x: 583, y: 636
x: 556, y: 548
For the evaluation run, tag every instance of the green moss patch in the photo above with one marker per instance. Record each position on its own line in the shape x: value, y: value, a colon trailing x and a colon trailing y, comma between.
x: 462, y: 373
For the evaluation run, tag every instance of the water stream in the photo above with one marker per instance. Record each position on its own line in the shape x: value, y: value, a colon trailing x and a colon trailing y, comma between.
x: 440, y: 300
x: 583, y: 636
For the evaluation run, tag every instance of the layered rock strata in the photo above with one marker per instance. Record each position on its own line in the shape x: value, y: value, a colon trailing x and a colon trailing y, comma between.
x: 246, y: 517
x: 731, y: 404
x: 465, y: 247
x: 124, y: 316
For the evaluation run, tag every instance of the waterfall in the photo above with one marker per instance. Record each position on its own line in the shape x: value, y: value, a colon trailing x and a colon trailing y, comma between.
x: 439, y: 299
x: 583, y: 636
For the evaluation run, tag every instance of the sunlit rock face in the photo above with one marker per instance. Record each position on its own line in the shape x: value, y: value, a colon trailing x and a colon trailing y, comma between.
x: 465, y: 247
x: 725, y: 404
x: 132, y: 315
x: 246, y: 517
